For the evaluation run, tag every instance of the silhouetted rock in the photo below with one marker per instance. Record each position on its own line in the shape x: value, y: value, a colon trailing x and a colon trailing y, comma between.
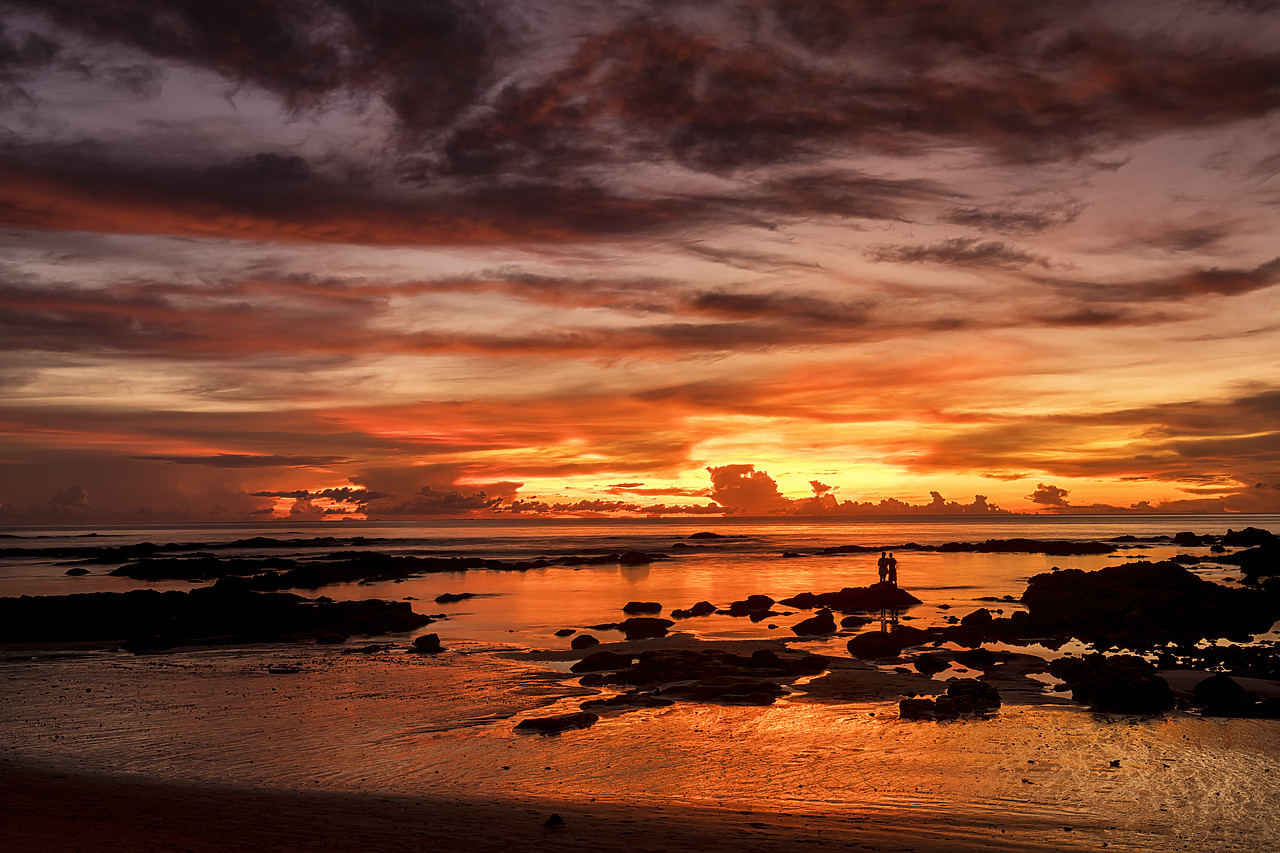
x: 583, y: 641
x: 705, y: 535
x: 629, y: 701
x: 330, y: 638
x: 965, y: 697
x: 1249, y: 537
x: 598, y: 661
x: 1121, y: 684
x: 566, y: 632
x: 874, y: 644
x: 636, y: 558
x: 1187, y: 539
x: 76, y: 572
x: 453, y: 597
x: 229, y: 611
x: 427, y: 644
x: 1053, y: 547
x: 644, y: 627
x: 878, y: 596
x: 702, y: 608
x: 1137, y: 604
x: 821, y: 623
x: 976, y: 658
x: 930, y: 664
x: 855, y: 621
x: 642, y: 607
x: 558, y: 723
x: 750, y: 604
x: 554, y: 821
x: 730, y: 689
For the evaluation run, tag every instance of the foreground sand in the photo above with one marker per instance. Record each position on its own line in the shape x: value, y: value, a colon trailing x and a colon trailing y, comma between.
x: 45, y: 811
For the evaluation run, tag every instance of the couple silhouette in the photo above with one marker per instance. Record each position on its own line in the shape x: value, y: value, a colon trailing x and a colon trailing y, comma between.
x: 888, y: 567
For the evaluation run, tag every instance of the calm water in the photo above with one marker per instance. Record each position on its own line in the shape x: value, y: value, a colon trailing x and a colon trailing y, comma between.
x: 526, y: 608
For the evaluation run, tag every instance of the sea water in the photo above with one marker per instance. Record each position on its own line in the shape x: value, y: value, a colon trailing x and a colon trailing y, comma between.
x: 445, y: 724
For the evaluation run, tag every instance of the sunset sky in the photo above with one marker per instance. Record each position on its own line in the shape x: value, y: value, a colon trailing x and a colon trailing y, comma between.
x: 413, y: 258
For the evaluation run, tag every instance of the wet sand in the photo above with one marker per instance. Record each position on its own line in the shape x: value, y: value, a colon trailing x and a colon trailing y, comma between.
x: 46, y: 812
x: 208, y: 750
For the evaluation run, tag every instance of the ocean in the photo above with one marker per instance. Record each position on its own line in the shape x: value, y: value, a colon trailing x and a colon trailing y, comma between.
x: 302, y: 716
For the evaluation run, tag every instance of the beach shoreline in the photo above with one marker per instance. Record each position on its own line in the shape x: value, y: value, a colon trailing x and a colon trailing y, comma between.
x: 48, y: 810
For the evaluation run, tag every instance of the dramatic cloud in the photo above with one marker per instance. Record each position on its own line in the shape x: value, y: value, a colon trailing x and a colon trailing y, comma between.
x: 318, y: 259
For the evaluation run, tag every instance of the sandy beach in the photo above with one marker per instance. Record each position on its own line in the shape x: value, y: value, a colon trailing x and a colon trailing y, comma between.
x: 46, y: 812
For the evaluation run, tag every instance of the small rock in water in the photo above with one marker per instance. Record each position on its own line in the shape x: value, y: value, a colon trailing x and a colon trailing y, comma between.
x: 555, y: 820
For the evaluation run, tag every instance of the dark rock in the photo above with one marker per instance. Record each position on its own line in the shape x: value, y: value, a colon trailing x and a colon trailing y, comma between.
x: 583, y: 641
x: 965, y: 697
x: 558, y: 723
x: 1053, y: 547
x: 630, y: 701
x: 597, y: 661
x: 930, y: 664
x: 644, y: 627
x: 566, y: 632
x: 791, y: 555
x: 427, y: 644
x: 642, y: 607
x: 76, y: 572
x: 330, y: 638
x: 705, y: 535
x: 750, y: 604
x: 1121, y: 684
x: 1249, y: 537
x: 555, y: 821
x: 1220, y: 689
x: 228, y: 609
x: 878, y: 596
x: 730, y: 689
x: 1137, y: 604
x: 1187, y: 539
x: 702, y: 608
x: 635, y: 558
x: 874, y: 644
x: 855, y: 621
x: 976, y: 658
x: 453, y: 597
x: 821, y: 623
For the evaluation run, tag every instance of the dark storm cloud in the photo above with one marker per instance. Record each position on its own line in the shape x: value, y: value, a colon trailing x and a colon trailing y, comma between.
x: 340, y: 495
x: 960, y: 251
x: 427, y: 59
x: 244, y: 460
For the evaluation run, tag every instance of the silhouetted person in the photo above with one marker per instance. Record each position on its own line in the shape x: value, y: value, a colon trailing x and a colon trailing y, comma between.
x: 892, y: 565
x: 883, y: 565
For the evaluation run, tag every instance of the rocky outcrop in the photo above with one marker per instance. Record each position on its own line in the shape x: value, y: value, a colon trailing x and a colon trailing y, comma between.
x: 600, y: 661
x: 558, y: 723
x: 1120, y: 684
x: 702, y: 608
x: 427, y: 644
x: 644, y: 627
x: 1136, y: 605
x: 821, y: 623
x: 228, y: 611
x: 583, y: 641
x: 878, y: 596
x: 871, y: 645
x: 965, y: 697
x: 642, y: 607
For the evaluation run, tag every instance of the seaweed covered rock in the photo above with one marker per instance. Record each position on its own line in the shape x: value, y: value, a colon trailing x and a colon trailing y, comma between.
x: 1120, y: 684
